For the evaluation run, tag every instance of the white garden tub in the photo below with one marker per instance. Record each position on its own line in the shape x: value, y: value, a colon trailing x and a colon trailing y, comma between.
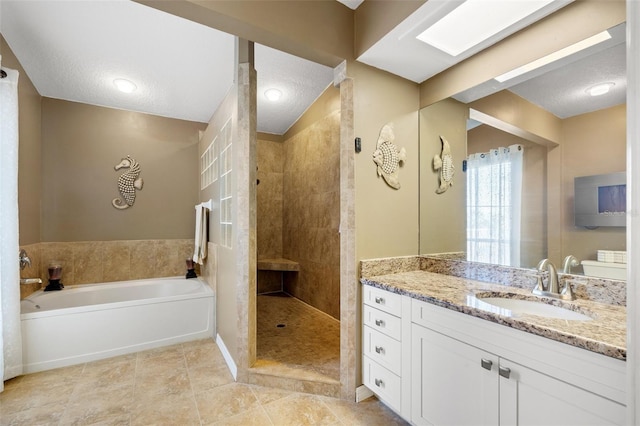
x: 89, y: 322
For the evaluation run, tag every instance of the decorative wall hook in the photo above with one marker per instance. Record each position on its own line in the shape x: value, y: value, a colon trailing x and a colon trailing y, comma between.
x: 444, y: 163
x: 128, y: 182
x: 388, y: 157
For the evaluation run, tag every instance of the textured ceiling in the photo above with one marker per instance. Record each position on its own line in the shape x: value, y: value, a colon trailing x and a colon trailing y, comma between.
x: 299, y: 80
x: 351, y: 4
x: 562, y: 91
x: 560, y: 87
x: 73, y: 50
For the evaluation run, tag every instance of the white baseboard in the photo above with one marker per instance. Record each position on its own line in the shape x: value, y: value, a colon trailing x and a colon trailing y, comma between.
x: 233, y: 368
x: 362, y: 393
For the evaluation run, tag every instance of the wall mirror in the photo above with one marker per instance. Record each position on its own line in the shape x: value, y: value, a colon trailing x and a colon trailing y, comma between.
x: 567, y: 133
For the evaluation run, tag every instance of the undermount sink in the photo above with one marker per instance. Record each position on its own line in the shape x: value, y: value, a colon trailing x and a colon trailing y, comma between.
x: 509, y: 306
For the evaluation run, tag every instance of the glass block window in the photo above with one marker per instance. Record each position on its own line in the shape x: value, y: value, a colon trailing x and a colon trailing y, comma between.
x: 226, y: 199
x: 209, y: 164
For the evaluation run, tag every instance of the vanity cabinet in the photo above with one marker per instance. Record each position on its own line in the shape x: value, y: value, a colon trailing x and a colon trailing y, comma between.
x: 449, y: 385
x: 454, y: 382
x: 386, y: 362
x: 435, y: 366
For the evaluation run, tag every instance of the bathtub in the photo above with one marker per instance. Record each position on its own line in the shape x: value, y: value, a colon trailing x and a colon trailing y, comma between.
x: 85, y: 323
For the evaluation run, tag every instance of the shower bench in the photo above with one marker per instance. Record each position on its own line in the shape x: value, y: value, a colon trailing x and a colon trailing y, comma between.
x: 273, y: 274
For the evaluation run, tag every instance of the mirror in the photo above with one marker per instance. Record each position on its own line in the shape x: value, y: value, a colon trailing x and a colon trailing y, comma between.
x: 585, y: 136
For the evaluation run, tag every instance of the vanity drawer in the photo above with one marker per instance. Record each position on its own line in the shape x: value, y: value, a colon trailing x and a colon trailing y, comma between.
x: 382, y: 382
x: 382, y: 322
x: 383, y: 349
x: 383, y: 300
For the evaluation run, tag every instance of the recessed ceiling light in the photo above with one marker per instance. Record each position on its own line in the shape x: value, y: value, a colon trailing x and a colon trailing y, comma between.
x: 124, y: 85
x: 552, y: 57
x: 475, y: 21
x: 273, y: 94
x: 600, y: 89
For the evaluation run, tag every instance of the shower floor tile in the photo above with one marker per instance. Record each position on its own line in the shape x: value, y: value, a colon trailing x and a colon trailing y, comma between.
x: 296, y: 340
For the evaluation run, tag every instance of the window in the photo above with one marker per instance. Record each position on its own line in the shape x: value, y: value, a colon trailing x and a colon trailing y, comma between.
x: 494, y: 187
x: 226, y: 199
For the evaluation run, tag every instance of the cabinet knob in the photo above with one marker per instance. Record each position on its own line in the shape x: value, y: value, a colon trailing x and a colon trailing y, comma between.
x: 379, y: 323
x: 379, y: 349
x: 379, y: 300
x: 378, y: 382
x: 504, y: 372
x: 486, y: 364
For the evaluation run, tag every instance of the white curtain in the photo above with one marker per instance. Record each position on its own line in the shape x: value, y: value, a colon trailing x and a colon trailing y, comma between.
x: 10, y: 338
x: 494, y: 191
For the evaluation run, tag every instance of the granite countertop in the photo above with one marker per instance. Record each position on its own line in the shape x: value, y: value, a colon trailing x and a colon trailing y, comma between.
x: 605, y: 333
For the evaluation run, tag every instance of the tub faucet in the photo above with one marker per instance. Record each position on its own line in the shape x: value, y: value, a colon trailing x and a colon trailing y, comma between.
x: 552, y: 289
x: 569, y: 262
x: 24, y: 259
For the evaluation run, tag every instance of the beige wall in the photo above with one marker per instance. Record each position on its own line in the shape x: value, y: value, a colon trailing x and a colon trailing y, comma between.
x: 520, y: 116
x: 29, y: 162
x: 226, y: 305
x: 386, y: 218
x: 533, y: 233
x: 82, y: 143
x: 593, y: 143
x: 283, y: 25
x: 443, y: 216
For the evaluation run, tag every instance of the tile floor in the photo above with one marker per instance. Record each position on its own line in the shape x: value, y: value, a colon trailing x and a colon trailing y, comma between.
x: 186, y: 384
x: 297, y: 340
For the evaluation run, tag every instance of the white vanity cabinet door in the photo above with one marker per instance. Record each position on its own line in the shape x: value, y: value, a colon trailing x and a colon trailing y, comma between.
x: 528, y: 397
x: 452, y: 383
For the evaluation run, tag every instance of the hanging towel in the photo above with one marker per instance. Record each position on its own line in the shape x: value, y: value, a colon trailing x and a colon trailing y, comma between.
x: 200, y: 246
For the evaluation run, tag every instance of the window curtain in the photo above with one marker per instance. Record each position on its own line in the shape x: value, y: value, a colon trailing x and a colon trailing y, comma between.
x: 494, y: 192
x: 10, y: 338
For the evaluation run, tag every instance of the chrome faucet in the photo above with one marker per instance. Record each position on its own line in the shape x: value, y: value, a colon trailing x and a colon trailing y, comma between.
x: 552, y: 289
x: 24, y: 259
x: 569, y: 262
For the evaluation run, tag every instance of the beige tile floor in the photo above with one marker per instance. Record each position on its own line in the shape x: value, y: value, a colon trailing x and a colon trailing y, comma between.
x: 185, y: 384
x: 297, y: 340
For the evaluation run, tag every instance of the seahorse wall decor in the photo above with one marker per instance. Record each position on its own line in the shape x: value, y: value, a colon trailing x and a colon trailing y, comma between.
x: 444, y: 163
x: 128, y: 182
x: 388, y: 157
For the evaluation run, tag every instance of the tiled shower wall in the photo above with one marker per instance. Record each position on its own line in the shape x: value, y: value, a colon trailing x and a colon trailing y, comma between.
x: 298, y: 213
x: 311, y: 214
x: 86, y: 262
x: 269, y: 198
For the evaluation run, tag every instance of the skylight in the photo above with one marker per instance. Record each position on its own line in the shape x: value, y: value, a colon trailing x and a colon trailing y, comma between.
x: 475, y: 21
x: 552, y: 57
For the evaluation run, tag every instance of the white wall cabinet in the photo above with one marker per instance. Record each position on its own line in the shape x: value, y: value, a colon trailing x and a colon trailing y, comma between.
x: 435, y: 366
